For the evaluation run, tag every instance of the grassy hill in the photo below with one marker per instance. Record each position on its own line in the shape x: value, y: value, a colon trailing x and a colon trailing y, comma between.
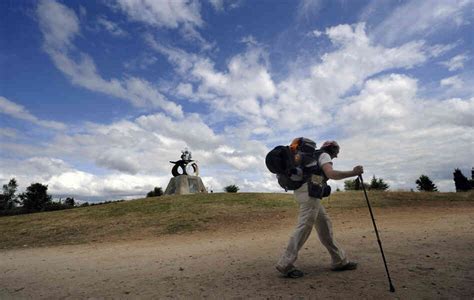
x: 157, y: 216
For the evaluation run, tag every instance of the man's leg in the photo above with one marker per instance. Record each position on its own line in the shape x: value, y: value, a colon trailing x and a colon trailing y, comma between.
x: 324, y: 228
x: 308, y: 210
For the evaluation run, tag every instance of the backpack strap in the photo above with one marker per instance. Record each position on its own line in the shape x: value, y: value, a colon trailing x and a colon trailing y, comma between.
x: 316, y: 169
x: 319, y: 189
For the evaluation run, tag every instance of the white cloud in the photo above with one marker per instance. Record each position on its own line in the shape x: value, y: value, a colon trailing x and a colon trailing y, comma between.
x: 317, y: 33
x: 401, y: 157
x: 250, y: 40
x: 247, y: 79
x: 380, y: 105
x: 107, y: 187
x: 147, y: 144
x: 58, y: 23
x: 162, y: 13
x: 390, y: 104
x: 18, y: 111
x: 419, y: 19
x: 386, y: 115
x: 63, y: 180
x: 225, y: 5
x: 453, y: 111
x: 381, y: 120
x: 82, y: 11
x: 192, y: 129
x: 8, y: 132
x: 182, y: 60
x: 399, y: 136
x: 32, y: 169
x: 239, y: 89
x: 355, y: 59
x: 456, y: 62
x: 142, y: 62
x: 453, y: 81
x: 58, y: 43
x: 45, y: 165
x: 302, y: 104
x: 112, y: 27
x: 134, y: 156
x: 185, y: 90
x: 246, y: 87
x: 440, y: 49
x: 169, y: 14
x: 192, y: 35
x: 307, y: 9
x: 217, y: 4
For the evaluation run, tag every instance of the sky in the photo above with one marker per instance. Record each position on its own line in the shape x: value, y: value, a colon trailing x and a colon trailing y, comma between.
x: 96, y: 97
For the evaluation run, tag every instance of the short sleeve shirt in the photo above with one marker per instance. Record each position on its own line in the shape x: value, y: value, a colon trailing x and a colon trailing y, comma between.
x: 324, y: 158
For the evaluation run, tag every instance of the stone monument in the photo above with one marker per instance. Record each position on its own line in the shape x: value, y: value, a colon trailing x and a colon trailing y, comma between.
x: 186, y: 178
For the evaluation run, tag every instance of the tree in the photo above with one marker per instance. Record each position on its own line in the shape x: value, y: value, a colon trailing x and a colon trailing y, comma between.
x: 157, y: 192
x: 69, y: 202
x: 231, y: 188
x: 425, y: 184
x: 378, y: 184
x: 461, y: 182
x: 349, y: 185
x: 354, y: 184
x: 8, y: 200
x: 36, y: 197
x: 472, y: 178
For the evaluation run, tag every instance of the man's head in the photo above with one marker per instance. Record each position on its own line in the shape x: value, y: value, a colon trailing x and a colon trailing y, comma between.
x: 331, y: 148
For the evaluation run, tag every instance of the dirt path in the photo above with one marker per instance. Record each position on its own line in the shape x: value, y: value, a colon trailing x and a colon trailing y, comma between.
x: 429, y: 250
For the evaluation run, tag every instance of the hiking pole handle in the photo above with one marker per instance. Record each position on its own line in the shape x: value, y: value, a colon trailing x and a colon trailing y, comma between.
x: 392, y: 289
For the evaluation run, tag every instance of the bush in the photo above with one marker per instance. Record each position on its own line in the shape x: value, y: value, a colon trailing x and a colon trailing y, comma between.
x: 157, y: 192
x: 231, y: 188
x: 461, y: 182
x: 50, y: 206
x: 8, y: 199
x: 349, y: 185
x: 378, y: 184
x: 69, y: 202
x: 425, y: 184
x: 354, y: 184
x: 35, y: 198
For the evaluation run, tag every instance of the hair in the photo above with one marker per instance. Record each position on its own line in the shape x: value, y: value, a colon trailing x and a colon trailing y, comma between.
x: 331, y: 149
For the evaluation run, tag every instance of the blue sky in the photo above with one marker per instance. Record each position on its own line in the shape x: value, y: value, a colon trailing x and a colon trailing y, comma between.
x: 97, y: 97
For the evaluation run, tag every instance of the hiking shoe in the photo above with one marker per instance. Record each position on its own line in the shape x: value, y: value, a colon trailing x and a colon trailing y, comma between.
x: 291, y: 272
x: 352, y: 265
x: 295, y: 273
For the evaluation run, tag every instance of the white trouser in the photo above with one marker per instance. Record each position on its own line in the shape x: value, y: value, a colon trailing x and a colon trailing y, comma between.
x: 311, y: 213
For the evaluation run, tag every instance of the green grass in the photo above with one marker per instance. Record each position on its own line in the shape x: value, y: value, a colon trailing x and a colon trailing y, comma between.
x: 158, y: 216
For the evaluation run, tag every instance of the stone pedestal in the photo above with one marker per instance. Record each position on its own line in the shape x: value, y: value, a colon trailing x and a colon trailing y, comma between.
x: 185, y: 184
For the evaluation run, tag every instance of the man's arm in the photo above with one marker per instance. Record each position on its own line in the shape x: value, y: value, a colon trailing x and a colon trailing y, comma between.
x: 336, y: 175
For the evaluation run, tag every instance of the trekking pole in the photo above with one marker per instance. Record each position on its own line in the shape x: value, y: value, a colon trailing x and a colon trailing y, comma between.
x: 392, y: 289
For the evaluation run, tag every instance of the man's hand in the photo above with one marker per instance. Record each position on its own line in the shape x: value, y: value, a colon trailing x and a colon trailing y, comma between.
x: 358, y: 170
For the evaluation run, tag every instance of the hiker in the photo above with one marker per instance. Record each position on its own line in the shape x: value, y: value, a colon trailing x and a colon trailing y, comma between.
x: 312, y: 213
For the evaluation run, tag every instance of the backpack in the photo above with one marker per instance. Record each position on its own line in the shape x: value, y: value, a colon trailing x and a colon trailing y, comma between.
x: 289, y: 163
